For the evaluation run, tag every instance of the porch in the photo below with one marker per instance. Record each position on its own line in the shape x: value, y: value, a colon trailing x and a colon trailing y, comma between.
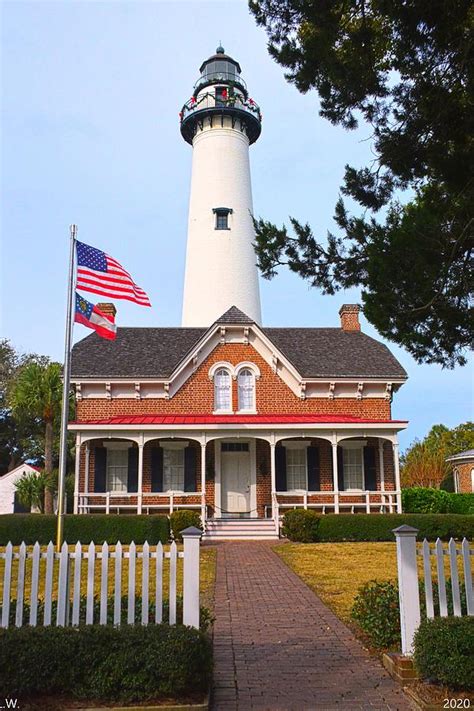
x: 238, y: 473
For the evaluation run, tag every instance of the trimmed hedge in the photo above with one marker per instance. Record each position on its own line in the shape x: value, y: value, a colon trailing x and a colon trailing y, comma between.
x: 85, y: 528
x: 104, y: 663
x: 426, y: 500
x: 378, y: 527
x: 179, y: 520
x: 444, y: 651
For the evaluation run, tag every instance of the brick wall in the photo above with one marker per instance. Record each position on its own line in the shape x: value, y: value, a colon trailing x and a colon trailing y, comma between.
x: 196, y: 396
x: 464, y: 477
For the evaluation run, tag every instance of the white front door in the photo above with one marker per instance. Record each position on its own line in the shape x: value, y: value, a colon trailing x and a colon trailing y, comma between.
x: 235, y: 478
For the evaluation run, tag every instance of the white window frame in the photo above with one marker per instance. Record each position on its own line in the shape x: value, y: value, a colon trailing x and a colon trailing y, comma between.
x: 472, y: 479
x: 354, y: 446
x: 291, y: 446
x: 222, y: 410
x: 252, y: 408
x: 168, y: 447
x: 113, y: 447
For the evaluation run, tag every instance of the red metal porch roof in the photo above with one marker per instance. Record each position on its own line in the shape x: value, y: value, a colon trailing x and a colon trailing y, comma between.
x: 233, y: 420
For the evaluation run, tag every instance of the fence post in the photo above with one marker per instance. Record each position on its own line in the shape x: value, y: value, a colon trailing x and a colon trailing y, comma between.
x: 191, y: 540
x: 407, y: 585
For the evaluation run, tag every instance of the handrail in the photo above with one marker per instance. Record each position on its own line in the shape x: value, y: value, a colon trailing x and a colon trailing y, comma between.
x: 210, y: 101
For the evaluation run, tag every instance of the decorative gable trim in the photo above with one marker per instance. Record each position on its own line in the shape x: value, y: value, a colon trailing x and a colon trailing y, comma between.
x: 235, y: 333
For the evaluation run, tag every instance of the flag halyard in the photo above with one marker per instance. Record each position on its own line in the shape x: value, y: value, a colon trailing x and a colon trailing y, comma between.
x: 101, y: 274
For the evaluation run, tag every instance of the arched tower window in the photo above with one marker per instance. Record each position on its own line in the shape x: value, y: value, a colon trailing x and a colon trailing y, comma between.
x: 246, y: 389
x: 222, y: 390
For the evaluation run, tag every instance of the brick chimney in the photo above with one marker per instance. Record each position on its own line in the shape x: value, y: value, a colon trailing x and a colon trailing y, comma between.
x: 349, y: 314
x: 107, y: 308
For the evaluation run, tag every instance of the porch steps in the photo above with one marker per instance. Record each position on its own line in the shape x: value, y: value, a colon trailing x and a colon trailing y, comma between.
x: 240, y: 529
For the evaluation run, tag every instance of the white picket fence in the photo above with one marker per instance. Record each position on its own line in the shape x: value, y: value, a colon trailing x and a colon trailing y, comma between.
x: 407, y: 552
x: 69, y: 575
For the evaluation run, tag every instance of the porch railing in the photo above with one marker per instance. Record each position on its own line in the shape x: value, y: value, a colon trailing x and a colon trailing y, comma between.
x: 114, y: 501
x: 381, y: 501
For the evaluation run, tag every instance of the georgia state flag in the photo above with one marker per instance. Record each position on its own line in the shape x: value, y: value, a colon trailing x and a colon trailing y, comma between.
x: 89, y: 315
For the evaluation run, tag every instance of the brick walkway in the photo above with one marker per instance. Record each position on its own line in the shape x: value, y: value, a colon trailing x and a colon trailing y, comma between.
x: 277, y: 647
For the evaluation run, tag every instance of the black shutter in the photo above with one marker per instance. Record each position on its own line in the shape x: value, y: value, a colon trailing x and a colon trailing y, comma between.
x: 369, y: 469
x: 190, y: 469
x: 340, y: 469
x: 100, y: 469
x: 280, y: 468
x: 157, y: 469
x: 132, y: 477
x: 314, y: 483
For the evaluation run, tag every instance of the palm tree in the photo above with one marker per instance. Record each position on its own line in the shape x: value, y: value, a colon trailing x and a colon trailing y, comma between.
x: 31, y: 488
x: 37, y: 394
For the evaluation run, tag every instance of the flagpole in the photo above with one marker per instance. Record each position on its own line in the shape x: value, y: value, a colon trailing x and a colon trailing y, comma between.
x: 66, y: 388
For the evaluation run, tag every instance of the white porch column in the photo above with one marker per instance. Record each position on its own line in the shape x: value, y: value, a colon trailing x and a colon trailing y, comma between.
x: 77, y: 468
x: 140, y: 475
x: 381, y: 466
x: 396, y: 467
x: 273, y: 477
x: 335, y: 480
x: 203, y: 483
x: 86, y: 475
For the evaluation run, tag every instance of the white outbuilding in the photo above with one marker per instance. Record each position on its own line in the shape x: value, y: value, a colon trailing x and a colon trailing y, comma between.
x: 8, y: 500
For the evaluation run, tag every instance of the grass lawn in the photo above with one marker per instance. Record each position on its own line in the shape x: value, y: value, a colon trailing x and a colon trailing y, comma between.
x: 335, y: 571
x: 208, y: 570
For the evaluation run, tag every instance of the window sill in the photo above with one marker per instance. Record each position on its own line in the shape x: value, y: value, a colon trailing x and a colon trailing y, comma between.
x: 223, y: 412
x: 246, y: 412
x: 222, y: 229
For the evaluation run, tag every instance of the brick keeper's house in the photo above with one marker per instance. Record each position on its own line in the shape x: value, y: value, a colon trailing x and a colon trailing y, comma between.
x: 222, y: 414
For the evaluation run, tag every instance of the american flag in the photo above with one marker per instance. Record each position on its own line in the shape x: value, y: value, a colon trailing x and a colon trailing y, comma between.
x: 101, y: 274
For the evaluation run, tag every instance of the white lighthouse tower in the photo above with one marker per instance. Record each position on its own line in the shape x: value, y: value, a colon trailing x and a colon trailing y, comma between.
x: 220, y: 121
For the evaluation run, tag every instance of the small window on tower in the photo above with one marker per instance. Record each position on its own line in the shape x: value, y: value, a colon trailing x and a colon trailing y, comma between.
x: 222, y: 217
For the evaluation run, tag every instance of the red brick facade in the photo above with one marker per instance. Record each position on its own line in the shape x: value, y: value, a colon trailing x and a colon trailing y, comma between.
x: 273, y: 396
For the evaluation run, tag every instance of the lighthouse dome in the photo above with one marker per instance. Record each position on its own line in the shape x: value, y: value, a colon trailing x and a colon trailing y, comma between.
x: 220, y: 93
x: 220, y: 68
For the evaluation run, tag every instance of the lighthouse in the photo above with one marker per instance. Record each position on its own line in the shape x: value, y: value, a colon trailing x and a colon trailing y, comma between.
x: 220, y: 121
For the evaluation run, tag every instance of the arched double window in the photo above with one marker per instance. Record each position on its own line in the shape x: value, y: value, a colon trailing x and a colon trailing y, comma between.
x: 246, y: 389
x: 222, y: 390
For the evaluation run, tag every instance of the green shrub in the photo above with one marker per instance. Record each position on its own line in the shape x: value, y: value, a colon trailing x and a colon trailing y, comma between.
x: 376, y: 611
x: 426, y: 500
x: 379, y: 527
x: 105, y: 663
x: 301, y: 525
x: 85, y: 528
x: 179, y: 520
x: 444, y: 651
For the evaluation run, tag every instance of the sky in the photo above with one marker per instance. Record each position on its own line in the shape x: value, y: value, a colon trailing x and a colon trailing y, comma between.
x: 91, y: 93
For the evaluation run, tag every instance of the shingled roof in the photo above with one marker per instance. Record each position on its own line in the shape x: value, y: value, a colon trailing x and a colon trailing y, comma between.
x: 136, y: 352
x: 332, y: 352
x: 156, y: 352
